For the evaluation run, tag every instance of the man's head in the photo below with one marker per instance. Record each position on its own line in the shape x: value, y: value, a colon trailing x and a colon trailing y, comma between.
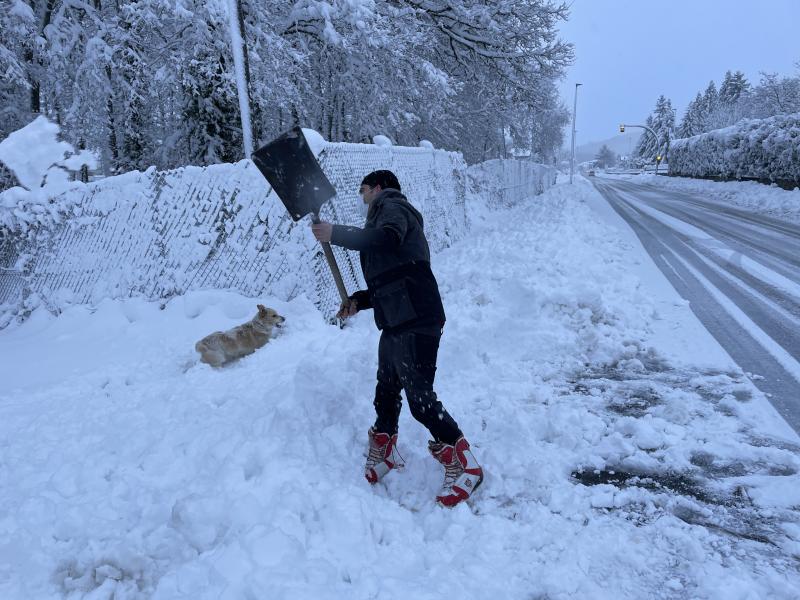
x: 374, y: 183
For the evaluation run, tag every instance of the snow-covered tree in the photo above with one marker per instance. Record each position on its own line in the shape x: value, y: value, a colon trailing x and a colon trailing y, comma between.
x: 547, y: 133
x: 732, y: 88
x: 152, y: 82
x: 457, y: 72
x: 662, y: 122
x: 729, y: 106
x: 692, y: 122
x: 775, y: 95
x: 646, y: 146
x: 605, y: 157
x: 16, y: 52
x: 708, y: 106
x: 737, y: 99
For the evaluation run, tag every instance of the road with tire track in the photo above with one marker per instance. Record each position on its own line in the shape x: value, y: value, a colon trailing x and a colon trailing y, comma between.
x: 739, y: 271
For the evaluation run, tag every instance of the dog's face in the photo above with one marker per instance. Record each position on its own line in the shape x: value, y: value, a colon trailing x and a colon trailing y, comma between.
x: 268, y: 317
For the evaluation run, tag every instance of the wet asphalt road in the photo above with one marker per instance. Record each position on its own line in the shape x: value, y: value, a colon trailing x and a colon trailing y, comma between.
x: 739, y: 271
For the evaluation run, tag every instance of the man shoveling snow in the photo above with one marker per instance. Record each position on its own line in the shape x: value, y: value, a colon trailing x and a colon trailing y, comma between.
x: 404, y: 295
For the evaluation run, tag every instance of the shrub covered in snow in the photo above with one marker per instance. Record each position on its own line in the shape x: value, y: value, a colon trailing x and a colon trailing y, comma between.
x: 757, y: 148
x: 42, y: 165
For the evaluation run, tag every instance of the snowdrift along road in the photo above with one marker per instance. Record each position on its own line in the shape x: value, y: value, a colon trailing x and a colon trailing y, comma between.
x: 626, y: 456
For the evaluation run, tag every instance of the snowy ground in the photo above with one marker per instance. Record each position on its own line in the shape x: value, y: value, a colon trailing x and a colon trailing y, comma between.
x: 626, y: 457
x: 746, y: 195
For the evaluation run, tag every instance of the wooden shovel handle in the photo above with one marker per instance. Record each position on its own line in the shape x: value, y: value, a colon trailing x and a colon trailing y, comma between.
x: 337, y: 275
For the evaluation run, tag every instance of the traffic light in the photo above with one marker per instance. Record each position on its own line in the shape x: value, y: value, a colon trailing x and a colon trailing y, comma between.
x: 622, y: 128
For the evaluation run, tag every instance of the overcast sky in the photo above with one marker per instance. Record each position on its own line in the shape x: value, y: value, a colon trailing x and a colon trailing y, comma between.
x: 627, y: 52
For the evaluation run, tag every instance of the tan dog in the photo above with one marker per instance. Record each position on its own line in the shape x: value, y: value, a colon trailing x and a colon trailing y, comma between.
x: 224, y: 346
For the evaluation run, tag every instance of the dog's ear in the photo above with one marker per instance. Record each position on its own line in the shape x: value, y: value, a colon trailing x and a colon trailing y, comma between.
x: 262, y: 310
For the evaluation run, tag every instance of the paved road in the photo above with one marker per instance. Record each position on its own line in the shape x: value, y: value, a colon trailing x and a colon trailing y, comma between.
x: 739, y: 271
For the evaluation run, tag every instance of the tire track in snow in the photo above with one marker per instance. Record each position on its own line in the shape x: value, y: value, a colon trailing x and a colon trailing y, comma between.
x: 775, y: 244
x: 747, y: 316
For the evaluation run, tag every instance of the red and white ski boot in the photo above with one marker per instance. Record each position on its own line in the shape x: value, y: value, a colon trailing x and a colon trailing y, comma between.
x: 383, y: 456
x: 462, y: 473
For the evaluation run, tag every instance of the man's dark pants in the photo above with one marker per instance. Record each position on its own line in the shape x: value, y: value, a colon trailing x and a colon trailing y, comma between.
x: 407, y: 361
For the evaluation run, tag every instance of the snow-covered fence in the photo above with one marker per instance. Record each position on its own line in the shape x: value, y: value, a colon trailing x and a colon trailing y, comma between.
x: 507, y: 182
x: 157, y: 234
x: 764, y: 149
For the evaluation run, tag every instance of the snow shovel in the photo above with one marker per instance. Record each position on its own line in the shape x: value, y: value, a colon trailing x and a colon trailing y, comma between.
x: 289, y: 165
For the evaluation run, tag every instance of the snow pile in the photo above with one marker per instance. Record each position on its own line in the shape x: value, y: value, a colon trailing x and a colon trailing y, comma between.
x: 759, y: 148
x: 613, y: 470
x: 381, y: 140
x: 42, y: 165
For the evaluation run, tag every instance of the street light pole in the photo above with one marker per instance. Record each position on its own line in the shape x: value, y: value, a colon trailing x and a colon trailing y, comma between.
x: 655, y: 135
x: 574, y: 112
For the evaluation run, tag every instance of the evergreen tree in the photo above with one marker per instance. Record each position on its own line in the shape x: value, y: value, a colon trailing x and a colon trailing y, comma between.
x: 16, y: 46
x: 732, y: 88
x: 646, y: 146
x: 210, y: 108
x: 605, y: 157
x: 708, y: 106
x: 692, y: 119
x: 737, y: 99
x: 662, y: 122
x: 728, y: 108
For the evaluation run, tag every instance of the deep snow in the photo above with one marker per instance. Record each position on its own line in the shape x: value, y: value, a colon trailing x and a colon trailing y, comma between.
x: 626, y: 456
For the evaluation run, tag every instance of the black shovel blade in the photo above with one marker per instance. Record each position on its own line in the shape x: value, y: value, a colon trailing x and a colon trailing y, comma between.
x: 290, y: 167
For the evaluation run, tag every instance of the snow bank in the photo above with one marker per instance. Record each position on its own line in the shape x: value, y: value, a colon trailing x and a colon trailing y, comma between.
x: 758, y: 148
x: 135, y: 472
x: 158, y: 234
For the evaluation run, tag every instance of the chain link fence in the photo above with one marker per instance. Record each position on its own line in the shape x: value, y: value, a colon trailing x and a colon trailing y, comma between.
x: 160, y: 234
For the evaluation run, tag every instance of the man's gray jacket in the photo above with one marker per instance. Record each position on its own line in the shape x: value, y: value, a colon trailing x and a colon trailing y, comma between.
x: 395, y: 260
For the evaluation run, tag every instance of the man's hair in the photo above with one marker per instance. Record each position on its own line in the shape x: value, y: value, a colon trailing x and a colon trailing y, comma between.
x: 383, y: 178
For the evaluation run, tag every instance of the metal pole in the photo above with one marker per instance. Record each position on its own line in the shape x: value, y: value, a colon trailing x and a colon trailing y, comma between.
x: 237, y: 49
x: 655, y: 135
x: 574, y: 112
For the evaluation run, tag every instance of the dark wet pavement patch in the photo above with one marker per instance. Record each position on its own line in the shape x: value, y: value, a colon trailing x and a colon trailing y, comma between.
x: 702, y: 486
x: 668, y: 482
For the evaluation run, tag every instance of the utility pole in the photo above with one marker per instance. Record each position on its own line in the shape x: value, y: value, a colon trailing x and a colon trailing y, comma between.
x: 574, y: 112
x: 242, y: 72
